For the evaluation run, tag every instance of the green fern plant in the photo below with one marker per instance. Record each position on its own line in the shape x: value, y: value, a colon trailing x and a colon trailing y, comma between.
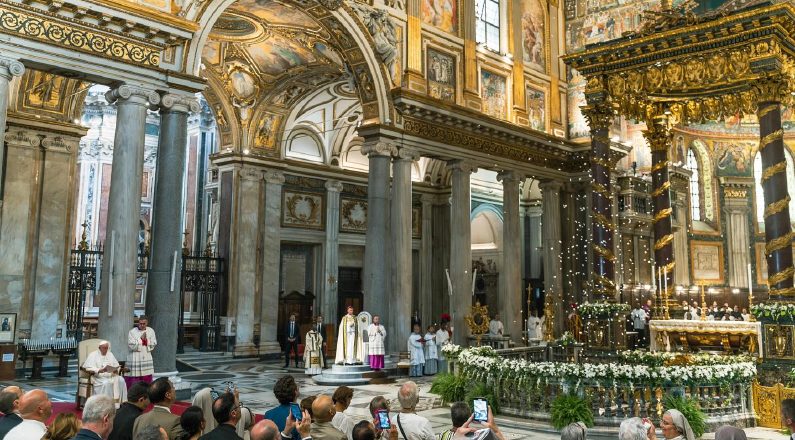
x: 481, y: 390
x: 691, y: 410
x: 570, y: 408
x: 449, y: 387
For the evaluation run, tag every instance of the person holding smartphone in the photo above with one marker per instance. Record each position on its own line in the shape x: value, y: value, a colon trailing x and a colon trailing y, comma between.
x: 466, y: 430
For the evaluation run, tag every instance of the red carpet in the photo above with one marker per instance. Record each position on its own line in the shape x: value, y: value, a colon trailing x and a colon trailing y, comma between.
x: 69, y: 407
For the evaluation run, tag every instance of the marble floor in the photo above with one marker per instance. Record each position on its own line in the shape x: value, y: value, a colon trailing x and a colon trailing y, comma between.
x: 255, y: 381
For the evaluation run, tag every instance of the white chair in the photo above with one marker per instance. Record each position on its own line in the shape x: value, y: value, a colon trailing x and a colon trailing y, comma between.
x: 85, y: 385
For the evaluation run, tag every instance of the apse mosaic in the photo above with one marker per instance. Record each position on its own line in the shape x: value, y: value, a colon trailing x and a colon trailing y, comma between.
x: 534, y: 34
x: 441, y: 75
x: 440, y: 13
x: 492, y: 93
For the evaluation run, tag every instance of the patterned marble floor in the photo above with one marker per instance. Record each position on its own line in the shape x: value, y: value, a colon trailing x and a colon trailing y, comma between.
x: 255, y: 381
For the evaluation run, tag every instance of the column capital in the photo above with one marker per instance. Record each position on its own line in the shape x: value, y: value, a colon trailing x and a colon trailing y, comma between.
x: 60, y: 144
x: 773, y: 88
x: 273, y: 177
x: 462, y: 165
x: 379, y: 148
x: 333, y: 186
x: 510, y: 177
x: 10, y: 67
x: 250, y: 173
x: 140, y: 95
x: 599, y: 115
x: 179, y: 103
x: 22, y: 138
x: 657, y: 134
x: 406, y: 153
x: 550, y: 185
x: 428, y: 199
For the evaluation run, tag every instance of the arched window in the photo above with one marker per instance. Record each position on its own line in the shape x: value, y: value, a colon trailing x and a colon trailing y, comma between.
x: 695, y: 187
x: 487, y: 23
x: 760, y: 195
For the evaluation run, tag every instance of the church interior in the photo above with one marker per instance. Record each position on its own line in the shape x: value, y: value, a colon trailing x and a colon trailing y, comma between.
x: 574, y: 189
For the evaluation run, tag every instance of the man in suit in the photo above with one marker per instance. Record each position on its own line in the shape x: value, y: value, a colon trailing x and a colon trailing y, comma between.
x: 98, y: 414
x: 323, y: 412
x: 162, y: 395
x: 9, y: 406
x: 226, y: 411
x: 320, y: 328
x: 137, y: 401
x: 293, y: 338
x: 35, y: 409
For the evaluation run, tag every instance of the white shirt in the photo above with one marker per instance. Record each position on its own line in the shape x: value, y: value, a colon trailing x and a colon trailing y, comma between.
x: 416, y: 427
x: 28, y: 429
x: 442, y: 337
x: 496, y: 328
x: 344, y: 423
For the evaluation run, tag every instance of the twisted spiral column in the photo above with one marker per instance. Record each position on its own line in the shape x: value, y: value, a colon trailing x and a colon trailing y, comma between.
x: 778, y: 229
x: 658, y: 135
x: 600, y: 116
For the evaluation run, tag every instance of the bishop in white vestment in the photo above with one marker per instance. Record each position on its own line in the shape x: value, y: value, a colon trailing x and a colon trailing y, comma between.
x: 349, y: 341
x: 141, y: 340
x: 313, y: 353
x: 104, y: 368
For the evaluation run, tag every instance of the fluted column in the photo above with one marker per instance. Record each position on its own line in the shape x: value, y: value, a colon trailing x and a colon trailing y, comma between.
x: 376, y: 272
x: 120, y: 260
x: 332, y: 246
x: 460, y: 247
x: 401, y: 213
x: 9, y: 68
x: 778, y: 229
x: 163, y: 284
x: 271, y: 263
x: 658, y: 135
x: 600, y: 116
x: 551, y: 251
x: 511, y: 270
x: 736, y: 211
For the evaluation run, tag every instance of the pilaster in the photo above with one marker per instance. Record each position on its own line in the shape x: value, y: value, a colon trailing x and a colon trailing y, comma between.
x: 331, y: 246
x: 9, y: 68
x: 736, y: 209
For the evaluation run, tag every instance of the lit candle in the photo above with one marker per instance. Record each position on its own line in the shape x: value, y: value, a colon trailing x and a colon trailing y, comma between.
x: 750, y: 285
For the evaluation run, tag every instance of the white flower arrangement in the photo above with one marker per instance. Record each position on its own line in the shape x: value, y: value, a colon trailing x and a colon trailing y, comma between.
x: 666, y: 358
x: 491, y: 369
x: 774, y: 311
x: 601, y: 309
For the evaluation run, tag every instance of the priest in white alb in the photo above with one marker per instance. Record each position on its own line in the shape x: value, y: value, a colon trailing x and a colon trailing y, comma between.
x: 376, y: 333
x: 349, y: 341
x: 141, y: 340
x: 104, y: 369
x: 313, y: 353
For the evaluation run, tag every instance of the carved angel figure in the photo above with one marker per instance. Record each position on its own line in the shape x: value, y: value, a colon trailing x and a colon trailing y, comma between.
x: 382, y: 29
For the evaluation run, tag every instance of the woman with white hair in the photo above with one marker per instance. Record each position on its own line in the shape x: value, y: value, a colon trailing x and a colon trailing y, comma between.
x: 104, y: 369
x: 675, y: 426
x: 635, y: 429
x: 574, y: 431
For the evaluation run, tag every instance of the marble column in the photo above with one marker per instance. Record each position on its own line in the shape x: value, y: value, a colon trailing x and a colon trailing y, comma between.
x: 658, y: 135
x: 120, y: 260
x: 332, y: 247
x: 271, y: 259
x: 511, y: 271
x: 376, y: 277
x: 9, y: 68
x: 681, y: 247
x: 600, y: 116
x: 244, y: 247
x: 163, y: 285
x: 426, y: 261
x: 778, y: 229
x: 551, y: 250
x: 736, y: 210
x: 460, y: 247
x: 401, y: 213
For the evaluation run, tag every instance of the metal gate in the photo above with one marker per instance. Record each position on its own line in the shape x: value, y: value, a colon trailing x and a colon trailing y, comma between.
x: 202, y: 281
x: 84, y: 266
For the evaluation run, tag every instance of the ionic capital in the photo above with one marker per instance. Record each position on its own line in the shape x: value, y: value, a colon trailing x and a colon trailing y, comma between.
x: 380, y: 148
x: 273, y: 177
x: 462, y: 166
x: 180, y: 103
x: 134, y: 94
x: 60, y: 144
x: 510, y: 177
x: 333, y: 186
x: 428, y: 200
x: 250, y: 173
x: 22, y: 138
x: 550, y: 186
x: 406, y: 153
x: 10, y: 68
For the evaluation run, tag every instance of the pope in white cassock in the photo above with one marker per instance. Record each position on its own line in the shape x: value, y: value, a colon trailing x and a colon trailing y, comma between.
x: 349, y: 341
x: 104, y: 368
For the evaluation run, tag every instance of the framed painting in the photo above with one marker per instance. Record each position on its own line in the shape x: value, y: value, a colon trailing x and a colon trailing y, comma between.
x: 8, y: 326
x: 707, y: 261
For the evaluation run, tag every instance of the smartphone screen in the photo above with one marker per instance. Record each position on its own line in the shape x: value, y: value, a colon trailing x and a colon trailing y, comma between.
x: 481, y: 410
x: 295, y: 409
x: 383, y: 419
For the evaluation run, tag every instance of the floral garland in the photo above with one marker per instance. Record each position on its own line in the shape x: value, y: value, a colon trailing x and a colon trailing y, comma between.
x: 491, y: 368
x: 640, y: 357
x: 601, y: 309
x: 775, y: 311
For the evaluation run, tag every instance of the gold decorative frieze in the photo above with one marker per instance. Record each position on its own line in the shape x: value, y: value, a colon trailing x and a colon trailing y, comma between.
x: 32, y: 24
x: 353, y: 215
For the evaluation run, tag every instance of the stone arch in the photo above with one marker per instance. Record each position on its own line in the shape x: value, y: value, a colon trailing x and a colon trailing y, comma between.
x: 339, y: 20
x: 486, y: 227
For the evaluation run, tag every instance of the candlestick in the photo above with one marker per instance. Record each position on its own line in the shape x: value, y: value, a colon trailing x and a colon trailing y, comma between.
x: 703, y: 305
x: 665, y: 293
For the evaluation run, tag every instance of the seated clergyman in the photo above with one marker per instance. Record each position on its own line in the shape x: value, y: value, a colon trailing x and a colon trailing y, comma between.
x: 104, y: 369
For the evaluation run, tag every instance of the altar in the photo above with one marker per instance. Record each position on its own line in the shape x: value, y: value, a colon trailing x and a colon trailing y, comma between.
x: 686, y: 335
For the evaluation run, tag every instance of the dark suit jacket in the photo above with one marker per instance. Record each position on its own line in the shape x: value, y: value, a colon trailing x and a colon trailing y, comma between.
x: 322, y: 331
x: 296, y: 331
x: 85, y: 434
x: 221, y: 432
x: 7, y: 422
x: 162, y: 418
x: 124, y: 421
